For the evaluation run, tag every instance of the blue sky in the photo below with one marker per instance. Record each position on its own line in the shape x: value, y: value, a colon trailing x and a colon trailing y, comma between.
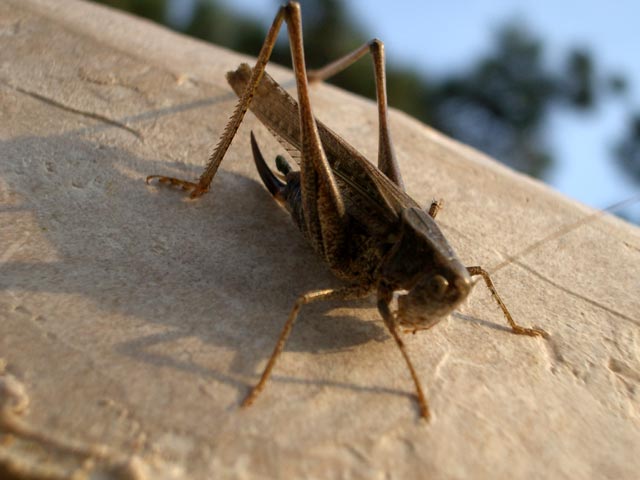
x: 443, y: 36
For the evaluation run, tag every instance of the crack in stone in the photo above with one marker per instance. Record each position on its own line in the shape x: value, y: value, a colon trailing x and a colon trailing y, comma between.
x: 562, y: 231
x: 576, y: 294
x: 92, y: 115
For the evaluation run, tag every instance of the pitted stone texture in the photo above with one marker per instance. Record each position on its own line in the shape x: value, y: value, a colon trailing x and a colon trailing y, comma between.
x: 133, y: 322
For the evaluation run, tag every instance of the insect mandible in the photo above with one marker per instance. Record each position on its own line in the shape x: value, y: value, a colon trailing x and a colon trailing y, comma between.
x: 357, y: 217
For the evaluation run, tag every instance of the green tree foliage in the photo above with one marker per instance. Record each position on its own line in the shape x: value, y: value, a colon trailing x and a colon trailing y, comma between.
x: 152, y: 9
x: 499, y: 104
x: 628, y: 149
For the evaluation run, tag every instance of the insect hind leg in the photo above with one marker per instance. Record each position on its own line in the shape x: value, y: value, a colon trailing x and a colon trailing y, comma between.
x: 202, y: 186
x: 387, y: 162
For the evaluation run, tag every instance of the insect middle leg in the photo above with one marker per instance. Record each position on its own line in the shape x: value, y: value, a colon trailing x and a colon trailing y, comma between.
x: 386, y: 157
x: 347, y: 293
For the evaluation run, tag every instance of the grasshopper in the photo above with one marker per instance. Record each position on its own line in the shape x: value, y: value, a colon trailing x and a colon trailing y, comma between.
x: 357, y: 217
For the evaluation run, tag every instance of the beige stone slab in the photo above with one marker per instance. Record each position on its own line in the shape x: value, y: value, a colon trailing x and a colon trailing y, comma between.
x: 132, y: 322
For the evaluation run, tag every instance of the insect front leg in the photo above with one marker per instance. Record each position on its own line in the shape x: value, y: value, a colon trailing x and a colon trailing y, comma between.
x: 517, y: 329
x: 386, y: 157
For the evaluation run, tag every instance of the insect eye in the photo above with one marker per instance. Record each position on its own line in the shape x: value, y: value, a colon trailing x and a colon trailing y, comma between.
x: 438, y: 286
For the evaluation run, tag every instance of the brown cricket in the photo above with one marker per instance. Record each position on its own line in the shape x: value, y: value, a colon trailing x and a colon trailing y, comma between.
x: 357, y: 217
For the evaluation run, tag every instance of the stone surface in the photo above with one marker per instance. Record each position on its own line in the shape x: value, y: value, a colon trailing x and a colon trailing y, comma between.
x: 132, y: 322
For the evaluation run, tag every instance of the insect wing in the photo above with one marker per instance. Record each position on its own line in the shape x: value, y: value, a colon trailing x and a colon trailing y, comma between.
x: 369, y: 195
